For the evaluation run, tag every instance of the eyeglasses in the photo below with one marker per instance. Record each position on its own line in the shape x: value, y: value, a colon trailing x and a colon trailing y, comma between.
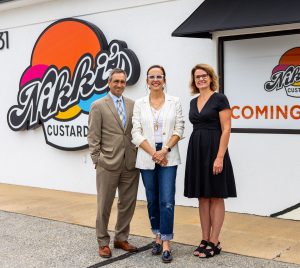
x: 202, y: 76
x: 156, y: 77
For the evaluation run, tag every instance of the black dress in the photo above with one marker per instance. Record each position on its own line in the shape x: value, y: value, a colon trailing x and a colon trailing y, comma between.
x: 202, y: 151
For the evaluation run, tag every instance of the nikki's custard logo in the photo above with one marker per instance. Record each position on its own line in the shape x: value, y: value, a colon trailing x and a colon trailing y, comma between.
x: 286, y: 74
x: 69, y: 69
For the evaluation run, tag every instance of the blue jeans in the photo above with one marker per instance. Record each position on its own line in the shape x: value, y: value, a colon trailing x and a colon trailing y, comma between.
x: 160, y: 192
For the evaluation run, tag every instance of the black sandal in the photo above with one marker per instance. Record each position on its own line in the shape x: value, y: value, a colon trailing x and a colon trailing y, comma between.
x: 156, y: 249
x: 200, y: 248
x: 166, y: 257
x: 211, y: 250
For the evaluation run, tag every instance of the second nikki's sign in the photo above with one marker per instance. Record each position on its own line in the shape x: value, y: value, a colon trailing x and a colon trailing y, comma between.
x: 261, y: 77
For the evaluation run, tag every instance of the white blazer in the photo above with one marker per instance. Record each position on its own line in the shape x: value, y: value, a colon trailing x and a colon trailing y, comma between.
x: 143, y: 129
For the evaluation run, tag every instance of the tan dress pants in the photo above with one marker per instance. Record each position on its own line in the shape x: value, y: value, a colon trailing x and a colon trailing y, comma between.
x: 107, y: 183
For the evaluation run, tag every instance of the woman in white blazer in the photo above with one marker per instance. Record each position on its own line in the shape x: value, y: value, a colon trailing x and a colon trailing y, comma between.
x: 158, y: 125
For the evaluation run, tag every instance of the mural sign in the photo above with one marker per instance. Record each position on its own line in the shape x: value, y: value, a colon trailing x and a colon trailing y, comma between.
x: 69, y: 69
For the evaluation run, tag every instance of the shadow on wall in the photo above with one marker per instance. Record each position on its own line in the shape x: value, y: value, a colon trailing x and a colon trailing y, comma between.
x: 291, y: 213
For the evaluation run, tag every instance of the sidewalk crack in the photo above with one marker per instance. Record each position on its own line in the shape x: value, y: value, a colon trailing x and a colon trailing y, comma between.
x: 280, y: 253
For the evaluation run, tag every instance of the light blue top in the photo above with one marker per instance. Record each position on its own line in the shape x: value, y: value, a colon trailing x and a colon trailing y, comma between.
x: 115, y: 100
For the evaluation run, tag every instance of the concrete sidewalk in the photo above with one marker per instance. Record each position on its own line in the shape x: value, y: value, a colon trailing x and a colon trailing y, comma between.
x: 262, y: 237
x: 33, y: 242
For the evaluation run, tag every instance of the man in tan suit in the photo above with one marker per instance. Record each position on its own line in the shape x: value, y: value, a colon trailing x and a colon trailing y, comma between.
x: 114, y: 156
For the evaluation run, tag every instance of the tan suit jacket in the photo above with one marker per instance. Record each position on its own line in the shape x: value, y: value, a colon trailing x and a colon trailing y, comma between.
x: 108, y: 141
x: 114, y: 157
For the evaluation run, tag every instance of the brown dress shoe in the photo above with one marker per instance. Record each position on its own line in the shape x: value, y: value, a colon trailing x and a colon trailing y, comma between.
x: 104, y: 252
x: 125, y: 246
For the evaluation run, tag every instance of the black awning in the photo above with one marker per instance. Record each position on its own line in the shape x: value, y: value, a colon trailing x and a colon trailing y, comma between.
x: 3, y: 1
x: 220, y: 15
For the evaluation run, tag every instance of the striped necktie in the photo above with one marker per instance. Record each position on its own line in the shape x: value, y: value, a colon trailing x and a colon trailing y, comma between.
x: 121, y: 112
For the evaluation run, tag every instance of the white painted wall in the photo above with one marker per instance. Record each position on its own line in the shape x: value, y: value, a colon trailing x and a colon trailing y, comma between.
x: 265, y: 165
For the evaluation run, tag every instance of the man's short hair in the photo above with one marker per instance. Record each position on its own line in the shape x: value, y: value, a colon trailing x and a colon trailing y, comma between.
x: 116, y: 71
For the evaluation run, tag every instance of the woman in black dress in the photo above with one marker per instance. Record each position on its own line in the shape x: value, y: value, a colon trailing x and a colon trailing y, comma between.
x: 209, y: 175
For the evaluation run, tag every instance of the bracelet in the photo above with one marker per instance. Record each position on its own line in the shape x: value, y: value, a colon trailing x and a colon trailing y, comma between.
x: 168, y: 148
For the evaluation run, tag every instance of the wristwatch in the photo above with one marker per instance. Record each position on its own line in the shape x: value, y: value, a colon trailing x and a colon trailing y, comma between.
x: 168, y: 148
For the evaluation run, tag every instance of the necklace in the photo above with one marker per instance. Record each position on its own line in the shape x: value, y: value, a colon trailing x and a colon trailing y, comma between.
x: 153, y: 109
x: 155, y: 122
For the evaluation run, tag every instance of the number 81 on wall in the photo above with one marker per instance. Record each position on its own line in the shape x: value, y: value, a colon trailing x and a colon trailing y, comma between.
x: 4, y: 40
